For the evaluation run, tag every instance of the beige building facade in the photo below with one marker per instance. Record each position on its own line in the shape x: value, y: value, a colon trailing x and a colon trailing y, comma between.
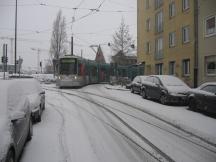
x: 207, y: 41
x: 166, y: 37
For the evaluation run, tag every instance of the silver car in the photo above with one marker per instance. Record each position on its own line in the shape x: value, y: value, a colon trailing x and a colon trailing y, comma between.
x: 15, y: 120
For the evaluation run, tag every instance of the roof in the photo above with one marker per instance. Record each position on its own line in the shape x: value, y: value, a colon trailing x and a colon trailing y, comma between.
x: 100, y: 56
x: 131, y: 53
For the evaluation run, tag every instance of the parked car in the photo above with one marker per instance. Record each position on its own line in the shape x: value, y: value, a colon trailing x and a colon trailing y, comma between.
x: 36, y: 96
x: 15, y: 120
x: 137, y: 84
x: 203, y: 97
x: 165, y: 88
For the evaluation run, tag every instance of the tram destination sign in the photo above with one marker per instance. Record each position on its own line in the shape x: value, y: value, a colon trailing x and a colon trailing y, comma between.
x: 68, y: 61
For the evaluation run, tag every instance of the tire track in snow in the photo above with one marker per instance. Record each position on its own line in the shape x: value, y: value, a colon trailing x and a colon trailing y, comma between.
x: 158, y: 118
x: 161, y: 155
x: 61, y: 135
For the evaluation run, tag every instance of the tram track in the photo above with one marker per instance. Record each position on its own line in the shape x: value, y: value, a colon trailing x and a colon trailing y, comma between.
x: 145, y: 140
x: 210, y: 146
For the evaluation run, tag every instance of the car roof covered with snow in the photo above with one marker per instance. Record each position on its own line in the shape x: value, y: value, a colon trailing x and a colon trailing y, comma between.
x: 207, y: 83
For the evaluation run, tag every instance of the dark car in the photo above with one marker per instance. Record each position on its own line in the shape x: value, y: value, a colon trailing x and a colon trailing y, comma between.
x: 136, y: 84
x: 165, y: 88
x: 203, y: 98
x: 15, y: 120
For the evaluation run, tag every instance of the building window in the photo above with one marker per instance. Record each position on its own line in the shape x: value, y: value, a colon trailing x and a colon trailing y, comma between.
x: 159, y: 22
x: 159, y: 69
x: 158, y: 3
x: 159, y: 48
x: 148, y: 25
x: 148, y: 47
x: 185, y: 34
x: 185, y: 5
x: 210, y: 62
x: 172, y: 39
x: 172, y: 68
x: 172, y: 10
x: 147, y: 4
x: 210, y: 26
x: 186, y: 67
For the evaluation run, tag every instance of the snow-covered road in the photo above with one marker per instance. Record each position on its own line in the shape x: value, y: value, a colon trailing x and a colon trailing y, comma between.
x: 97, y: 124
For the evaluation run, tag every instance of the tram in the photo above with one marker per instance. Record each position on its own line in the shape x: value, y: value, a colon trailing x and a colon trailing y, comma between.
x: 74, y: 71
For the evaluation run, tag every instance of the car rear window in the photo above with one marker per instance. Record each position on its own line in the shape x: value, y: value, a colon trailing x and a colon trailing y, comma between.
x: 210, y: 88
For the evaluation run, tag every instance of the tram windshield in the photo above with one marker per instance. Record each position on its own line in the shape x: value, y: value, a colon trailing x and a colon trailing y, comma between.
x: 68, y: 66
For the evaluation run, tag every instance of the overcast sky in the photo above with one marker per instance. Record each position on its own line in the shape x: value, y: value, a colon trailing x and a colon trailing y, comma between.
x: 35, y: 23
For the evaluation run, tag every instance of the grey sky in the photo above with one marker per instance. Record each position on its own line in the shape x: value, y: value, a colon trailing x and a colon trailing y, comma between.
x: 35, y: 24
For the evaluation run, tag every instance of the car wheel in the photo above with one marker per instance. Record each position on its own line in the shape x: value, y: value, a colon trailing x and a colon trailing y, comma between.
x: 192, y: 104
x: 132, y: 91
x: 10, y: 157
x: 44, y: 106
x: 30, y: 133
x: 39, y: 118
x: 163, y: 99
x: 144, y: 94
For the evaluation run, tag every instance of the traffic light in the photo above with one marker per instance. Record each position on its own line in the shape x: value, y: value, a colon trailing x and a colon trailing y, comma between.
x: 4, y: 59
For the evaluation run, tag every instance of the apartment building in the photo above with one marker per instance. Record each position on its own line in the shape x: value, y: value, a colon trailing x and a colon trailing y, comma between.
x: 207, y: 41
x: 166, y: 38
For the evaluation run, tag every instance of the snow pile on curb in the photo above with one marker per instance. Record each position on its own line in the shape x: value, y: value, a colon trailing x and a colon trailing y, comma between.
x: 116, y: 87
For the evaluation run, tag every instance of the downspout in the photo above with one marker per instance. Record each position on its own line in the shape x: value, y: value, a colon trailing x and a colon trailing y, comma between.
x: 196, y: 34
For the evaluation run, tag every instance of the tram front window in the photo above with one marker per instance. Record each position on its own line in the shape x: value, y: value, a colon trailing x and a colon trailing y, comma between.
x: 68, y: 66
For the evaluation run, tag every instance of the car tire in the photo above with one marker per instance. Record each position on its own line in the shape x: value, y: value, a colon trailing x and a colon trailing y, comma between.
x: 10, y: 157
x: 144, y: 94
x: 132, y: 91
x: 163, y: 99
x: 39, y: 118
x: 44, y: 106
x: 192, y: 104
x: 30, y: 132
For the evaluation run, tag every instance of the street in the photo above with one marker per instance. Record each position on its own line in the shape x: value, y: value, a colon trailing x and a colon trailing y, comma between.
x: 98, y: 123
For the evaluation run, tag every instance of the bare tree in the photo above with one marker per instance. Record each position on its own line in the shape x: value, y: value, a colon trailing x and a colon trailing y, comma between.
x: 59, y: 37
x: 122, y: 40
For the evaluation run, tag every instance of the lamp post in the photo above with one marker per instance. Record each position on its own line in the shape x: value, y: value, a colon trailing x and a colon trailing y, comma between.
x: 15, y: 50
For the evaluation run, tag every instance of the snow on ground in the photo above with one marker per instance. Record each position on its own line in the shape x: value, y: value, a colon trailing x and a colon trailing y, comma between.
x: 193, y: 122
x: 68, y: 133
x: 77, y: 130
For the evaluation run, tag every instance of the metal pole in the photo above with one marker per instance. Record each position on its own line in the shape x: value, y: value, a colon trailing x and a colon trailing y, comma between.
x: 3, y: 62
x: 15, y: 56
x: 38, y: 61
x: 6, y: 57
x: 72, y: 45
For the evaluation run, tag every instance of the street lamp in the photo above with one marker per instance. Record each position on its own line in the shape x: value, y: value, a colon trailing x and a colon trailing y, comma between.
x: 15, y: 55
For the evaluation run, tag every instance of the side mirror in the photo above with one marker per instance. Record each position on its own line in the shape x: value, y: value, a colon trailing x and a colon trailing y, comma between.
x: 158, y: 85
x: 15, y: 116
